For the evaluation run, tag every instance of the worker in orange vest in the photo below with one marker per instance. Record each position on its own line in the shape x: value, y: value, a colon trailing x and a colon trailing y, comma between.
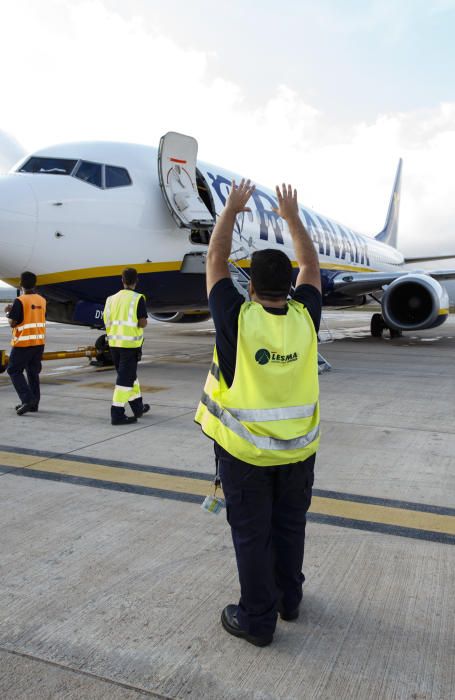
x: 27, y: 318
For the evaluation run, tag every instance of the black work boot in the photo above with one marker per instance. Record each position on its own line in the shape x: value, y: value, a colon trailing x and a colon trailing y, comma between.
x: 145, y: 409
x: 288, y: 615
x: 124, y: 420
x: 231, y: 625
x: 118, y: 416
x: 34, y: 408
x: 26, y: 408
x: 139, y: 408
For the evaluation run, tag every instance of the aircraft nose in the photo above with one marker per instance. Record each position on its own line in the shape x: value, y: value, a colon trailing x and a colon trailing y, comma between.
x: 18, y: 225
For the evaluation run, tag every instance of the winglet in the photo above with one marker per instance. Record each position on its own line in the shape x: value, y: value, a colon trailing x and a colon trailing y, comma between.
x: 390, y: 231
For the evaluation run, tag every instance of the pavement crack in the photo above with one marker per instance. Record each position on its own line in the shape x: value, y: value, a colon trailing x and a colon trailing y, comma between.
x: 88, y: 674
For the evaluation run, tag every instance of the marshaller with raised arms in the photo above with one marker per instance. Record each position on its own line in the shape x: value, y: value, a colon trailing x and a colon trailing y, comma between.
x: 260, y: 406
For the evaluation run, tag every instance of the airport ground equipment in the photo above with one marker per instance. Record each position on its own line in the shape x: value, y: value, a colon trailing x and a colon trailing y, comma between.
x: 90, y: 351
x: 323, y: 364
x: 378, y: 326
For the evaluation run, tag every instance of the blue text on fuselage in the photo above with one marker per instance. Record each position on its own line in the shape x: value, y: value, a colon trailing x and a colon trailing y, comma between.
x: 330, y: 238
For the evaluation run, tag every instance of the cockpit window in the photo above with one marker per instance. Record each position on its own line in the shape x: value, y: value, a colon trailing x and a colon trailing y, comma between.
x: 89, y: 172
x: 48, y: 166
x: 97, y: 174
x: 117, y: 177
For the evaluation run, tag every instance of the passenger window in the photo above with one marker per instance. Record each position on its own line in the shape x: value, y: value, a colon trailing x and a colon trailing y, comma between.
x: 117, y: 177
x: 89, y: 172
x: 48, y: 166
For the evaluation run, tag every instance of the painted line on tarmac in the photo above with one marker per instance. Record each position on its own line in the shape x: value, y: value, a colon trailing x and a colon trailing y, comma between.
x: 419, y: 521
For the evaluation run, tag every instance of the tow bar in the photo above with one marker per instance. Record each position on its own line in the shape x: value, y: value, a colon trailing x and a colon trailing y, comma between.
x: 90, y: 351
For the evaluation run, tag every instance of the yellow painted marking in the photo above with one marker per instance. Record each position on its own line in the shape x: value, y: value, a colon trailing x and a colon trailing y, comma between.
x: 169, y: 266
x: 99, y: 472
x: 416, y: 519
x: 352, y: 510
x: 105, y: 271
x: 322, y: 265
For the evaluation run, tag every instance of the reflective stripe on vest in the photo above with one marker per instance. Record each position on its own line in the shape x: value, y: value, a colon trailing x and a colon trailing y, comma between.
x: 263, y: 443
x: 120, y: 320
x: 270, y: 414
x: 32, y: 330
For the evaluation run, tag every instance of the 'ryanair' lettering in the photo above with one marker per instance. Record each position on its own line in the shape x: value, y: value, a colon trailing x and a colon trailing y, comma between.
x: 330, y: 239
x: 267, y: 216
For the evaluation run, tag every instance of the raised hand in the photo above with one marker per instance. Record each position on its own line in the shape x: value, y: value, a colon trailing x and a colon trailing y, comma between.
x: 288, y: 207
x: 239, y: 196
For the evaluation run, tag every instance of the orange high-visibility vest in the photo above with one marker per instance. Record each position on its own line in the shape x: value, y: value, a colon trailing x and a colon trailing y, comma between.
x: 32, y: 330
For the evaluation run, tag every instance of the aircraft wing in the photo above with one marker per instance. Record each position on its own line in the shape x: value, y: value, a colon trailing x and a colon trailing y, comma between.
x: 356, y: 283
x: 429, y: 259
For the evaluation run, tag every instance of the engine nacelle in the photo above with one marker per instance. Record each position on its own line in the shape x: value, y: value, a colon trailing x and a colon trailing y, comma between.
x: 181, y: 317
x: 414, y: 302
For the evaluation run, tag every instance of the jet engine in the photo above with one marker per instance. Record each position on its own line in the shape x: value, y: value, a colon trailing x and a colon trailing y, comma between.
x: 181, y: 316
x: 414, y: 302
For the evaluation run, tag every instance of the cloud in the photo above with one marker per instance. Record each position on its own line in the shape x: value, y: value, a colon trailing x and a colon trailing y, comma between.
x: 85, y: 72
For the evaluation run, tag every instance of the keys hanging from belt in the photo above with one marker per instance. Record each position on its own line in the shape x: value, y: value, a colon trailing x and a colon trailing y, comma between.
x: 214, y: 504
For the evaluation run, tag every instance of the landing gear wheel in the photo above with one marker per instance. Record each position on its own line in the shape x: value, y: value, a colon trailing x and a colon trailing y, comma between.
x: 103, y: 352
x: 394, y: 333
x: 377, y: 325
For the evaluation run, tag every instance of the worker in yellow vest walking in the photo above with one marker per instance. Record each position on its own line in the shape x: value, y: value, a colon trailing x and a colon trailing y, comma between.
x: 260, y: 407
x: 27, y: 318
x: 125, y: 317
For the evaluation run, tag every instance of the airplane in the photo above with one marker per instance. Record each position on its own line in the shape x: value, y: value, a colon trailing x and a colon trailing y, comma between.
x: 77, y: 214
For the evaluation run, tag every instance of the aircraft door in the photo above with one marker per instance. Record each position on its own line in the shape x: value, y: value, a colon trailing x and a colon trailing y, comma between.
x: 177, y: 156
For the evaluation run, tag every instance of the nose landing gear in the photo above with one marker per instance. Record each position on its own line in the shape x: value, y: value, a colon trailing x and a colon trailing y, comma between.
x: 103, y: 354
x: 378, y: 326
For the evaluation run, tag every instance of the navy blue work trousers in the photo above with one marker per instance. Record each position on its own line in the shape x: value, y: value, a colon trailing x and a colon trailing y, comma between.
x: 266, y: 509
x: 125, y: 362
x: 26, y: 360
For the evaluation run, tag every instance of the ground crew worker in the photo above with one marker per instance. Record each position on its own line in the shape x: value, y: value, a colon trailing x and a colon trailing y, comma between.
x: 27, y: 318
x: 125, y: 317
x: 260, y: 406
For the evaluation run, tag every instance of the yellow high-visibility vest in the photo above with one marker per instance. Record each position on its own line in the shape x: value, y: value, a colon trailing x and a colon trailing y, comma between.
x: 120, y: 319
x: 270, y: 414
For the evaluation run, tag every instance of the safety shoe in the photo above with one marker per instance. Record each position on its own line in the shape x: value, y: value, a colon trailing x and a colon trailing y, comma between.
x: 231, y: 625
x: 145, y: 409
x: 288, y: 615
x: 26, y: 408
x: 32, y: 410
x: 124, y: 420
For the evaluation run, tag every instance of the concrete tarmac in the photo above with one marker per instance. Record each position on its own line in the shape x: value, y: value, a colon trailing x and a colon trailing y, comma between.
x: 113, y: 579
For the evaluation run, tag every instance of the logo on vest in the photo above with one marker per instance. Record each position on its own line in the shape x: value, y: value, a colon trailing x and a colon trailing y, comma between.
x: 263, y: 356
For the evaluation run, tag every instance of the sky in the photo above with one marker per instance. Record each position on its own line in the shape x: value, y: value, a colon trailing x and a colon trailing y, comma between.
x: 327, y: 95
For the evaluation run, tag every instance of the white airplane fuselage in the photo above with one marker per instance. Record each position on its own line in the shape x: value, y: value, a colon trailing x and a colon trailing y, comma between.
x: 77, y: 237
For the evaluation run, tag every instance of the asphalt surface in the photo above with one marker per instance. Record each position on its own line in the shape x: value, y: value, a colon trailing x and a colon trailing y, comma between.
x: 113, y: 579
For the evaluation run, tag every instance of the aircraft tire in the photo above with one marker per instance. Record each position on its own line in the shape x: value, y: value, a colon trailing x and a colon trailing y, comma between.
x: 103, y: 352
x: 394, y: 333
x: 377, y: 325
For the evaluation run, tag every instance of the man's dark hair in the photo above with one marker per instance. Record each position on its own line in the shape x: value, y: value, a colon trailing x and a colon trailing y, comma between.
x: 28, y: 281
x: 271, y: 274
x: 129, y: 276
